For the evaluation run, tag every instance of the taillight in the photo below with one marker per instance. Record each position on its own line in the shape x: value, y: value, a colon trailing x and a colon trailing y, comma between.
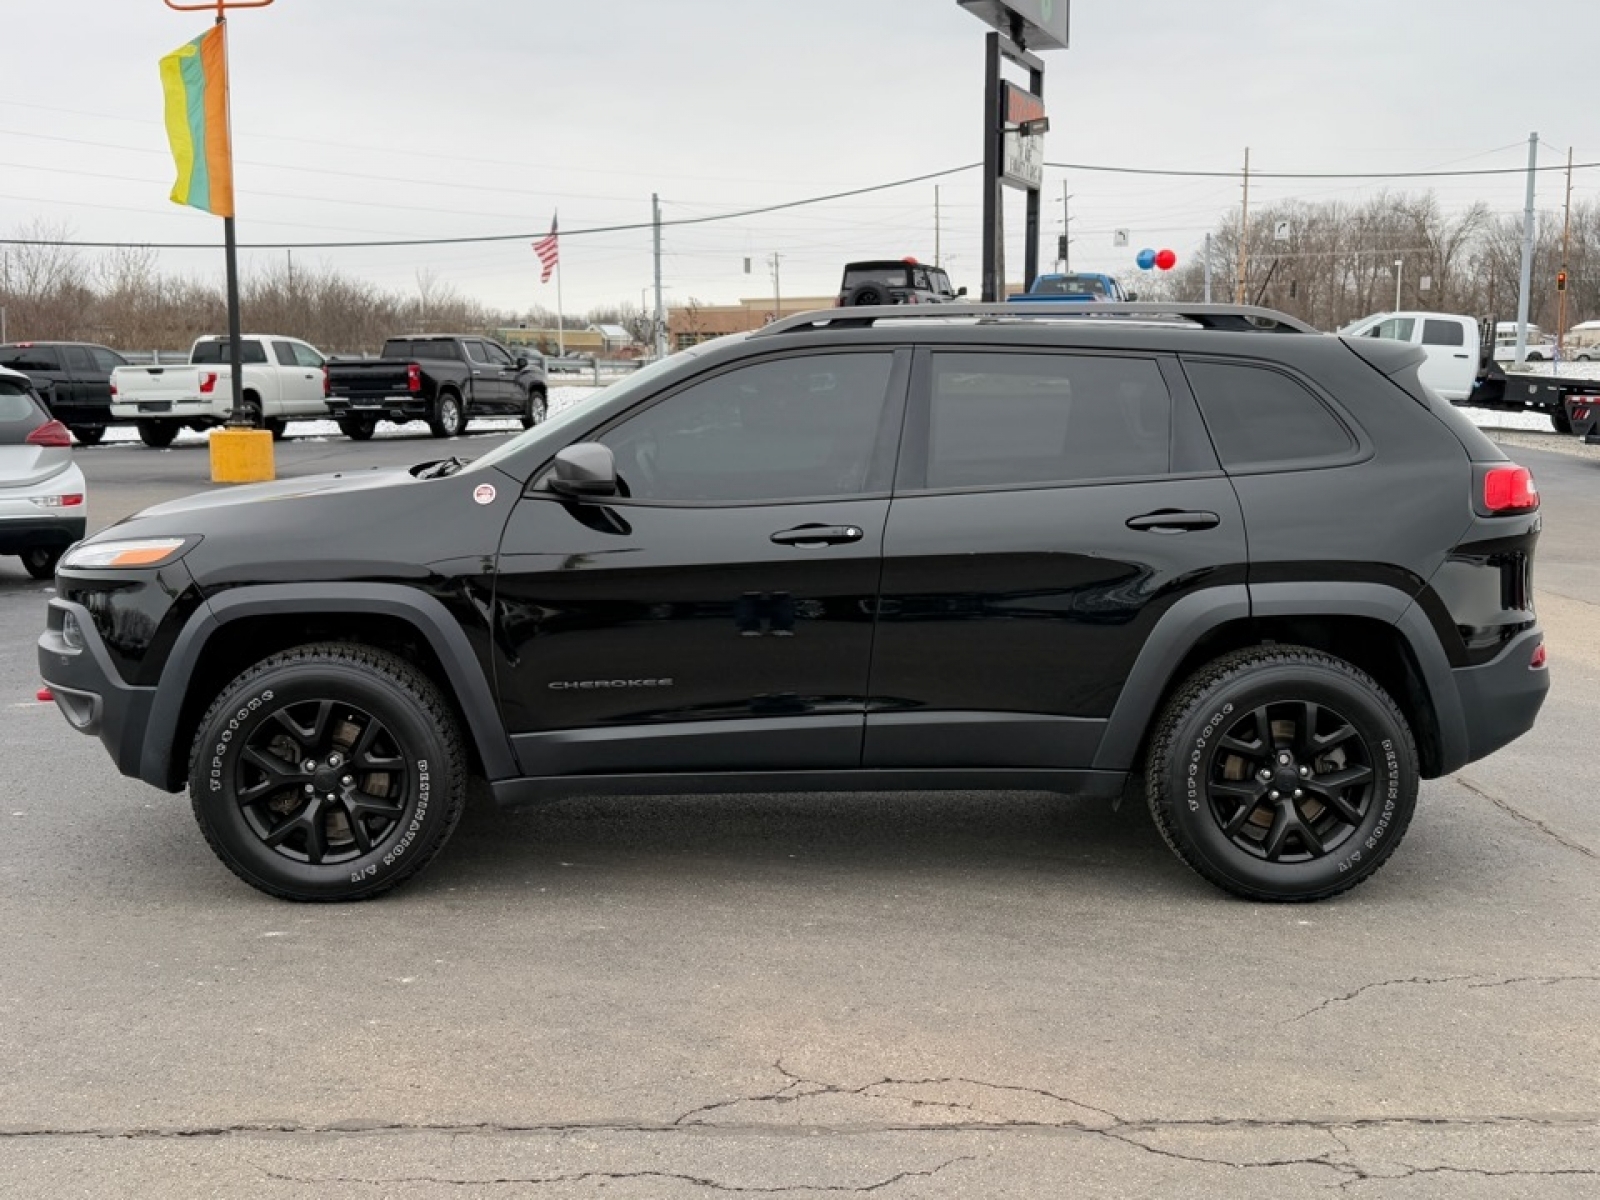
x: 327, y: 384
x: 208, y: 383
x: 413, y: 377
x: 1538, y: 659
x: 1509, y: 489
x: 113, y: 387
x: 51, y: 433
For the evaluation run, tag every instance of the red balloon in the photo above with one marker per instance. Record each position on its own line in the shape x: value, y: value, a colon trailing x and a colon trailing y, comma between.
x: 1166, y: 259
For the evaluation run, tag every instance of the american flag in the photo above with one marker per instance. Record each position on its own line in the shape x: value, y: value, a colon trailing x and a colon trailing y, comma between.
x: 549, y: 251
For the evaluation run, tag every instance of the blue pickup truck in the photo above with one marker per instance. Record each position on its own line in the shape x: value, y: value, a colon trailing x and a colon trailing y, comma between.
x: 1085, y: 287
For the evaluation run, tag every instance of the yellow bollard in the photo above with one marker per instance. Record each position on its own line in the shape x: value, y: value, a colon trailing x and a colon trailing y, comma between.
x: 241, y: 456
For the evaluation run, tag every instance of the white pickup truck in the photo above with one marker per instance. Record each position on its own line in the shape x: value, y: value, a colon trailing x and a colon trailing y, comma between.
x: 284, y: 379
x: 1450, y: 341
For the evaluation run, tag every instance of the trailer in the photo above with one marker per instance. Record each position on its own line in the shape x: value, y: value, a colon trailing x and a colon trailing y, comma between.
x: 1551, y: 395
x: 1583, y: 416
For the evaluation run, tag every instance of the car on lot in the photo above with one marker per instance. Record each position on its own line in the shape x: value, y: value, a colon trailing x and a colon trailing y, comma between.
x: 1083, y: 286
x: 73, y: 379
x: 43, y: 507
x: 443, y: 379
x: 1259, y: 574
x: 896, y: 281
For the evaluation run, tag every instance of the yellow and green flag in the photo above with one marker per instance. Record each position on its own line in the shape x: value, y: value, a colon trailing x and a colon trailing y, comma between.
x: 195, y: 80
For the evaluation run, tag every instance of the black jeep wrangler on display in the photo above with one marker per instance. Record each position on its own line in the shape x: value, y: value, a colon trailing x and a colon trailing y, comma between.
x: 895, y: 281
x: 1259, y: 572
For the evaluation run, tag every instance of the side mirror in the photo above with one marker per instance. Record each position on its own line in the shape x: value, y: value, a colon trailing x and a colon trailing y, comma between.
x: 1132, y: 296
x: 522, y: 361
x: 961, y: 291
x: 586, y: 469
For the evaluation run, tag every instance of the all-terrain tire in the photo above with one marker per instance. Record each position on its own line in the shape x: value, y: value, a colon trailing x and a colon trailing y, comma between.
x: 328, y: 772
x: 1282, y: 774
x: 866, y: 293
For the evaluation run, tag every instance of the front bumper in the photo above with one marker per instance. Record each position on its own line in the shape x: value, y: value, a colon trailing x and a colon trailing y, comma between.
x: 74, y: 662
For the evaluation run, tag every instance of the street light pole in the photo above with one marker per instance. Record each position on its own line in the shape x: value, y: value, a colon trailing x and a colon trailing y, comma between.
x: 1399, y: 266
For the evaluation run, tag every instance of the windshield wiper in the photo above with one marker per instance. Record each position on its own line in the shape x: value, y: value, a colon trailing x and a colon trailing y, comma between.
x: 440, y: 469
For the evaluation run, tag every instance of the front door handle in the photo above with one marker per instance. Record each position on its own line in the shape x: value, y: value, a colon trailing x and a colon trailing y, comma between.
x: 808, y: 536
x: 1171, y: 520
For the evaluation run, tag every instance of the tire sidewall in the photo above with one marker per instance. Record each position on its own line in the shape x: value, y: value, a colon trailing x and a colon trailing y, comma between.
x: 249, y: 705
x: 448, y: 404
x: 1215, y: 711
x: 534, y: 409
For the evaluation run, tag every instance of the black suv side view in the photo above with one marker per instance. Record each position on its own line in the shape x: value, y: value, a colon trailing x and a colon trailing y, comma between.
x: 896, y: 281
x: 1259, y: 573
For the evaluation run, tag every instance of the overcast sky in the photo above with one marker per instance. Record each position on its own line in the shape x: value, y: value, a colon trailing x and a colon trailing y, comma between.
x: 362, y: 120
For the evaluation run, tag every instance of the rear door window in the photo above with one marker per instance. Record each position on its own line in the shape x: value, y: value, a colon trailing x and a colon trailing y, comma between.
x: 107, y: 360
x: 1014, y: 420
x: 1443, y: 333
x: 79, y: 360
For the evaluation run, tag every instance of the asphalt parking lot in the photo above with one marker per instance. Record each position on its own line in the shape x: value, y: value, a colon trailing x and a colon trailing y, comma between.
x: 902, y: 995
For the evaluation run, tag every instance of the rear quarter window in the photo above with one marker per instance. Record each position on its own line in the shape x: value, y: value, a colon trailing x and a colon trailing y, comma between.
x: 30, y: 358
x: 1260, y: 417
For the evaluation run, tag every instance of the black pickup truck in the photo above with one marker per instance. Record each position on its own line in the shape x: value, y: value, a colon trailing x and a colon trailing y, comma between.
x: 74, y: 380
x: 442, y: 379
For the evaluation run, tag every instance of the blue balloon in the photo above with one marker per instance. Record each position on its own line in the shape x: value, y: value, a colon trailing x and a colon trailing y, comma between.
x: 1146, y: 259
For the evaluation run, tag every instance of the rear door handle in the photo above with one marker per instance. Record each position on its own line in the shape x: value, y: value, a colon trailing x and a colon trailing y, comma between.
x: 808, y: 536
x: 1171, y: 520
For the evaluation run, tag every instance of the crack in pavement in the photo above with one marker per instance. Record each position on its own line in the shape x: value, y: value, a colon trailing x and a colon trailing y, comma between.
x: 583, y: 1176
x: 1512, y: 811
x: 1426, y: 980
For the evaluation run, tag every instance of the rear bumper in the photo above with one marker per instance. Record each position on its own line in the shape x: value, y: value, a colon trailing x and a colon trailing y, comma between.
x: 29, y: 533
x: 381, y: 408
x: 1500, y: 699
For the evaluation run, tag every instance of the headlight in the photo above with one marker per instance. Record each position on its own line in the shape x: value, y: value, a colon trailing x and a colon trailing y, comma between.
x: 140, y: 552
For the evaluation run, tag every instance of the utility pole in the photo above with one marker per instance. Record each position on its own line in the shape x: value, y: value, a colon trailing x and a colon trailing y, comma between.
x: 1208, y: 268
x: 1066, y: 229
x: 1240, y: 292
x: 1566, y: 245
x: 777, y: 293
x: 1527, y: 253
x: 661, y: 322
x: 936, y: 224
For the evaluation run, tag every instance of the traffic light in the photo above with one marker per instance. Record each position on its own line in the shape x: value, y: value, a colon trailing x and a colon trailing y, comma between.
x: 1561, y: 281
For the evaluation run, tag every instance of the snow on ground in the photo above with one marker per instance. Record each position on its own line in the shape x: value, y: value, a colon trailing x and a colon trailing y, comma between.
x: 559, y: 398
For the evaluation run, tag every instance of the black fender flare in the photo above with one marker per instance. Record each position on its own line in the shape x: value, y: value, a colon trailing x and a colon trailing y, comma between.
x: 1194, y: 616
x: 423, y: 612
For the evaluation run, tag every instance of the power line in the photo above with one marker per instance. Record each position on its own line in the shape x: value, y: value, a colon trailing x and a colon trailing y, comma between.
x: 1165, y: 172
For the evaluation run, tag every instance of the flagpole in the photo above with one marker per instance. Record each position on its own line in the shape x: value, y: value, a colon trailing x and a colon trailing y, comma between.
x: 236, y: 418
x: 561, y: 320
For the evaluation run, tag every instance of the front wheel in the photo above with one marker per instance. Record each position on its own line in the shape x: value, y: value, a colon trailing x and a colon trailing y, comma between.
x: 277, y: 427
x: 157, y: 434
x: 448, y: 418
x: 328, y: 772
x: 533, y: 409
x: 1282, y: 774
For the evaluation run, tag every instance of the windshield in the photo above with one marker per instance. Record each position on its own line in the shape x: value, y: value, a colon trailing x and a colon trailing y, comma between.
x: 641, y: 380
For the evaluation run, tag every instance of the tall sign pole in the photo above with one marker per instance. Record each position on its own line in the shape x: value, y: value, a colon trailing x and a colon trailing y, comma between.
x: 196, y: 79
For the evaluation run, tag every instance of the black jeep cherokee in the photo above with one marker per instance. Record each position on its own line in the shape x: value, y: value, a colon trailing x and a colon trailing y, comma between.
x: 1259, y: 571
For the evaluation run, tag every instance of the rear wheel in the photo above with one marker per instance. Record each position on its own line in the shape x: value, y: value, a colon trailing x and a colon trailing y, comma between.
x: 277, y: 427
x: 157, y: 434
x: 448, y: 418
x: 328, y: 772
x: 1559, y: 421
x: 40, y: 561
x: 89, y: 435
x: 1282, y: 774
x: 357, y: 429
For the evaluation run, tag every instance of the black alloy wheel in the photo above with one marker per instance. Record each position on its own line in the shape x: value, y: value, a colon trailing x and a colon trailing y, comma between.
x: 1282, y: 773
x: 534, y: 408
x: 328, y: 772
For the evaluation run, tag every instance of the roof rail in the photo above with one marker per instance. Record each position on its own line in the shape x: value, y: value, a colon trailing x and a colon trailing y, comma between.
x: 1243, y: 318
